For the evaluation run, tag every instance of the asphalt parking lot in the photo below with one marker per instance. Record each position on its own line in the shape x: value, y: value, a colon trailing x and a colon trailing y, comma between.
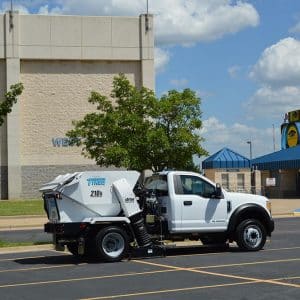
x: 204, y: 273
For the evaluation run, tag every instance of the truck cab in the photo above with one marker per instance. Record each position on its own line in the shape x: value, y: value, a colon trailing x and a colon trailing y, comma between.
x: 192, y: 204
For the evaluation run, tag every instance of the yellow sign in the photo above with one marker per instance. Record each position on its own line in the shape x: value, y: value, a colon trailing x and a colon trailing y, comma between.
x: 292, y: 136
x: 294, y: 116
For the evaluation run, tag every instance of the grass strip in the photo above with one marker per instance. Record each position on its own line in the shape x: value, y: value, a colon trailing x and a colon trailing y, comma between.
x: 21, y: 207
x: 4, y: 244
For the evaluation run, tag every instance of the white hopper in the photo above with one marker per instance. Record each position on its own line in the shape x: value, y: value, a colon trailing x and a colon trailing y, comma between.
x: 88, y: 194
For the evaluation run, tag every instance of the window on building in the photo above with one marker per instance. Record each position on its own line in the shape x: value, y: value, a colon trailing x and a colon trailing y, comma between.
x: 225, y: 181
x: 241, y: 181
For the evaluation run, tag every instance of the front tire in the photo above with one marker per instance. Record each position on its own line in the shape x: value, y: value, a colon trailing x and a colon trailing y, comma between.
x: 111, y: 244
x: 251, y: 235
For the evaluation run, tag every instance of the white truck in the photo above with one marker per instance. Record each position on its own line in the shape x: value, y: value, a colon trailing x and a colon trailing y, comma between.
x: 106, y: 214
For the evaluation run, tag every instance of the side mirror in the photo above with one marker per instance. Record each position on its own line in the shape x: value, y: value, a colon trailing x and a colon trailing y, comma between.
x: 218, y: 193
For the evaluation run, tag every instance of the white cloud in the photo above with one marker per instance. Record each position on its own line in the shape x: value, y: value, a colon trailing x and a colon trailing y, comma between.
x: 104, y: 7
x: 19, y: 7
x: 187, y: 22
x: 161, y: 59
x: 274, y: 102
x: 44, y: 10
x: 182, y: 82
x: 279, y: 64
x: 278, y: 74
x: 218, y: 135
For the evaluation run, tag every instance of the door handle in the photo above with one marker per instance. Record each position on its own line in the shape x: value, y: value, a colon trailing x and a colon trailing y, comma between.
x: 186, y: 203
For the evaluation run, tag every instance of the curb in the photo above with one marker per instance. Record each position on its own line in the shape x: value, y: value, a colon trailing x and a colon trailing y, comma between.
x: 20, y: 249
x: 297, y: 212
x: 26, y: 222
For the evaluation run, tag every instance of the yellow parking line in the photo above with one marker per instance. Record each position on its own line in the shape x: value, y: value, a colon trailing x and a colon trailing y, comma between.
x: 40, y: 268
x: 249, y: 263
x: 228, y: 252
x: 20, y: 258
x: 168, y: 291
x: 279, y: 249
x: 219, y: 274
x: 84, y: 278
x: 287, y: 278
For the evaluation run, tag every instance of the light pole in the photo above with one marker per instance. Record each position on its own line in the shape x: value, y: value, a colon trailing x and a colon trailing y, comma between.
x: 250, y: 143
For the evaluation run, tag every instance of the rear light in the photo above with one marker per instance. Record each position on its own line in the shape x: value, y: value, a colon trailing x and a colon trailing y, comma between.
x: 60, y: 228
x: 83, y: 226
x: 58, y: 196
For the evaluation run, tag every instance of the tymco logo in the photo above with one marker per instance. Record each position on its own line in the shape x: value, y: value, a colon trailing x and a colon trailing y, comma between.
x: 95, y: 181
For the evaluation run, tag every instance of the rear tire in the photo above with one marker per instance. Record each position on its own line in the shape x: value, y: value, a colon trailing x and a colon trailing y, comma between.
x: 111, y: 244
x: 251, y: 235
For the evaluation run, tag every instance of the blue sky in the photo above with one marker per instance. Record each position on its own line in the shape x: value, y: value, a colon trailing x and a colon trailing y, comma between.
x: 242, y: 58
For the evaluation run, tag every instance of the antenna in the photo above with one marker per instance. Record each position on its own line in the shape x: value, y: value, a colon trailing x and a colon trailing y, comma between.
x: 11, y: 21
x: 147, y: 27
x: 273, y: 137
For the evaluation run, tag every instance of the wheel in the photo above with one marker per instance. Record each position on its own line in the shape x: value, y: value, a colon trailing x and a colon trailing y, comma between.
x: 251, y: 235
x: 111, y: 244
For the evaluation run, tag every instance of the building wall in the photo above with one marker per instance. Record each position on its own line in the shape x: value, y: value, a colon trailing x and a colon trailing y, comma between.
x: 60, y: 60
x: 216, y: 176
x: 287, y: 183
x: 56, y: 92
x: 3, y: 137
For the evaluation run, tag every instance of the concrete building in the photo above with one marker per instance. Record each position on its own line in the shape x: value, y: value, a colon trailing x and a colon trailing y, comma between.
x: 232, y: 171
x: 60, y: 60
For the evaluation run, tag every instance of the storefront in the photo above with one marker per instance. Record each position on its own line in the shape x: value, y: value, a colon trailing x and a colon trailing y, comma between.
x: 280, y: 171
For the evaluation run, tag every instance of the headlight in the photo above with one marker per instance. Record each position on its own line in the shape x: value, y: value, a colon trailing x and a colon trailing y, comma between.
x: 269, y: 206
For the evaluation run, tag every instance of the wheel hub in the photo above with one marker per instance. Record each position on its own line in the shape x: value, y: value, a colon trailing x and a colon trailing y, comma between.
x: 252, y: 236
x: 113, y: 244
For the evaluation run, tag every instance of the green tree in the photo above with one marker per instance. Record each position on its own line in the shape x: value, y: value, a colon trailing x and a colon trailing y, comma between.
x: 138, y: 131
x: 10, y: 98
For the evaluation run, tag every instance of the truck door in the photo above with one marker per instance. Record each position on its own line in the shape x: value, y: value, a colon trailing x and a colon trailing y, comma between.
x: 199, y: 210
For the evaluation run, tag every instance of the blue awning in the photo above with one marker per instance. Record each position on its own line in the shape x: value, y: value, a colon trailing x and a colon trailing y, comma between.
x: 226, y: 159
x: 284, y: 159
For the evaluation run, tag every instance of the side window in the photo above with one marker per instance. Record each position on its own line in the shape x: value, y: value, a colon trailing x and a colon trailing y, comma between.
x: 225, y: 181
x: 157, y: 184
x: 192, y: 185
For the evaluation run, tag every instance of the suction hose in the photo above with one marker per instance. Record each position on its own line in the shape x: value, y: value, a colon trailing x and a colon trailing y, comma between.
x: 142, y: 236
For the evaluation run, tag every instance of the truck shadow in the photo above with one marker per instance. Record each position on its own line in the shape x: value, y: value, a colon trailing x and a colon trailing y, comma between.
x: 67, y: 259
